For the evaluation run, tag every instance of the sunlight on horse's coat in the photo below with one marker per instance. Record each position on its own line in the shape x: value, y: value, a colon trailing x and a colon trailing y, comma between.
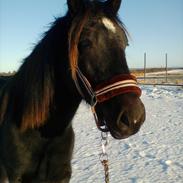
x: 108, y: 24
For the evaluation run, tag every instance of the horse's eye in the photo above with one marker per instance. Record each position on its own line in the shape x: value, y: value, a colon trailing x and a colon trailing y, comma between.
x: 84, y: 44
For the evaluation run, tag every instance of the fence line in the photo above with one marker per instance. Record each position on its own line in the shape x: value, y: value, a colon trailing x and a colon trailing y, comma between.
x: 161, y: 84
x: 165, y: 79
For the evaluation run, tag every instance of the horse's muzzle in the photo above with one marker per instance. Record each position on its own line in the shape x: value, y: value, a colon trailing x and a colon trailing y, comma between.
x: 129, y: 121
x: 123, y: 115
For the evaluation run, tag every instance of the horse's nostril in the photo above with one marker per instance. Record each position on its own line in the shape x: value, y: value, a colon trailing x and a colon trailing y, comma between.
x: 124, y: 119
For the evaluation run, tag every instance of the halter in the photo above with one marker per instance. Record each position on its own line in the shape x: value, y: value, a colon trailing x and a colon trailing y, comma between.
x: 119, y: 84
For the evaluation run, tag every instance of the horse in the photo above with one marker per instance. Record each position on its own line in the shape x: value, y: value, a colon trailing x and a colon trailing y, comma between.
x: 81, y: 57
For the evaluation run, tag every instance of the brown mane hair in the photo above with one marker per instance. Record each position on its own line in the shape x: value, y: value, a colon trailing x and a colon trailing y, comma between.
x: 74, y: 36
x: 27, y: 96
x: 37, y: 107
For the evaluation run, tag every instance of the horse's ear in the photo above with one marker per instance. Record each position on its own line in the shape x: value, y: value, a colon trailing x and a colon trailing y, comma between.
x: 113, y: 6
x: 75, y: 6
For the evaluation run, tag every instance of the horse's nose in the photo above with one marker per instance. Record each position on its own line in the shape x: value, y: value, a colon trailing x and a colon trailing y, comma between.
x: 132, y: 116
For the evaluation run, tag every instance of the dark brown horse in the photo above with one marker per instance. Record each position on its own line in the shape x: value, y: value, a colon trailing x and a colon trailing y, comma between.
x: 82, y: 56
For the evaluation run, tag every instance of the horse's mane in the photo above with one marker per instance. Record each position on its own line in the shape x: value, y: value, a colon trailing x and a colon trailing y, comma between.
x: 26, y: 98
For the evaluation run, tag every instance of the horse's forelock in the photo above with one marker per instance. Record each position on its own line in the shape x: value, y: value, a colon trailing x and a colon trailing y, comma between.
x: 74, y: 36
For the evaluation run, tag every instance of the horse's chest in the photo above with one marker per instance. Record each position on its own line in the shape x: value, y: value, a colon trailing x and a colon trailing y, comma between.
x: 20, y: 152
x: 29, y: 155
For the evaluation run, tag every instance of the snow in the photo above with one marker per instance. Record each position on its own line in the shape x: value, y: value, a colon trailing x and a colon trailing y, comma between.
x: 175, y: 71
x: 153, y: 155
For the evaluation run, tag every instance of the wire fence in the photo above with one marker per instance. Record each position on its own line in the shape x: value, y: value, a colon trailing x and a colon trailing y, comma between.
x: 159, y: 76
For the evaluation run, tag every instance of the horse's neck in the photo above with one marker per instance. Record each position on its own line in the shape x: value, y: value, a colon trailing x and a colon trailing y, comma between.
x: 61, y: 115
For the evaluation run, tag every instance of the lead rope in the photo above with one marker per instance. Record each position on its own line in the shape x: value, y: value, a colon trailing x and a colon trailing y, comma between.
x: 104, y: 156
x: 104, y: 143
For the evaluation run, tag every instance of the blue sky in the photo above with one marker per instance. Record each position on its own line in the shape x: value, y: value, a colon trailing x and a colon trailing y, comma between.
x: 155, y: 26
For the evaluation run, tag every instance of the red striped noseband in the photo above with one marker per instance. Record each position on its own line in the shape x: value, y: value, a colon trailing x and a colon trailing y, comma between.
x: 120, y: 84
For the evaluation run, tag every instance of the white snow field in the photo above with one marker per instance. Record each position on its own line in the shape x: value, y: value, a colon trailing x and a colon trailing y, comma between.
x: 175, y: 71
x: 153, y: 155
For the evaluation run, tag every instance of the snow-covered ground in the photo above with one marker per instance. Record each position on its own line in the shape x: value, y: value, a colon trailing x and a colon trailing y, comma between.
x: 170, y: 72
x: 154, y: 155
x: 173, y: 77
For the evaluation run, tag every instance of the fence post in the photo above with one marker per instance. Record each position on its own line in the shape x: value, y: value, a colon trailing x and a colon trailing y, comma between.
x: 144, y: 67
x: 166, y: 66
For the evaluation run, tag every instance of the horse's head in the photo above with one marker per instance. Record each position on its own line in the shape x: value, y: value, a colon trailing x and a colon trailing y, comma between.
x: 97, y: 57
